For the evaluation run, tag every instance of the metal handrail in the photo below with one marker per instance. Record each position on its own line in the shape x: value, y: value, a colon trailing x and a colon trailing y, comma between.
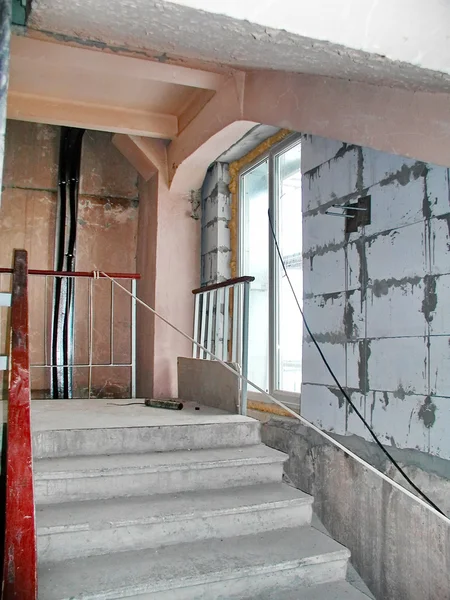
x: 304, y: 421
x: 87, y: 362
x: 20, y: 552
x: 214, y: 304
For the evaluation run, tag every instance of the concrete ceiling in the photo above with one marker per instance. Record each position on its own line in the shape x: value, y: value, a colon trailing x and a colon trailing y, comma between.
x: 402, y: 43
x: 63, y: 85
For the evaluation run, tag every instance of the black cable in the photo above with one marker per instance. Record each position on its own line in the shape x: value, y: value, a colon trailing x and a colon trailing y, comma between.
x: 330, y: 370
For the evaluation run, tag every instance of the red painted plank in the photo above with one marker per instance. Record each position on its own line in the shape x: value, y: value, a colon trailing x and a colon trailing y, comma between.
x: 89, y: 274
x: 19, y: 569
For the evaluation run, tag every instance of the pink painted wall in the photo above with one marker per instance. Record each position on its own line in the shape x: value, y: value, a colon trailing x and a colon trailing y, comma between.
x: 168, y: 258
x: 106, y: 240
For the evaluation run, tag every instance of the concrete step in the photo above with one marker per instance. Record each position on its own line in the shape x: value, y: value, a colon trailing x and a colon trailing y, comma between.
x: 217, y: 569
x: 340, y: 590
x: 222, y: 430
x: 97, y: 477
x: 79, y: 529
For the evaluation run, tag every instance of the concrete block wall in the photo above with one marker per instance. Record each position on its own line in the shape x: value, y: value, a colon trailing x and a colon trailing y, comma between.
x: 216, y: 214
x: 377, y: 300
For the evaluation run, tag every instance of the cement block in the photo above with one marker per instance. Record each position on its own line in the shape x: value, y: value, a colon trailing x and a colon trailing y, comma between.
x: 354, y: 425
x: 397, y: 422
x: 440, y: 316
x: 396, y: 205
x: 209, y: 383
x: 399, y: 365
x: 438, y: 190
x: 316, y: 150
x: 395, y: 309
x: 398, y: 254
x: 440, y: 365
x: 439, y: 245
x: 330, y: 181
x: 325, y: 316
x: 321, y: 231
x: 324, y: 406
x: 314, y: 370
x: 325, y: 273
x: 378, y: 166
x: 438, y: 412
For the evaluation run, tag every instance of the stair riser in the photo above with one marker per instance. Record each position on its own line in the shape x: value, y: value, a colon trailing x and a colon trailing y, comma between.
x: 75, y: 544
x: 48, y: 491
x: 127, y: 440
x: 248, y: 585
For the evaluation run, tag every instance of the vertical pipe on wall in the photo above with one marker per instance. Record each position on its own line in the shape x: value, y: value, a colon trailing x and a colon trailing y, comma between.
x: 133, y: 338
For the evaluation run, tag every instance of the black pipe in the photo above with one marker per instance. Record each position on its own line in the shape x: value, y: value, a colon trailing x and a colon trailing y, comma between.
x: 64, y: 290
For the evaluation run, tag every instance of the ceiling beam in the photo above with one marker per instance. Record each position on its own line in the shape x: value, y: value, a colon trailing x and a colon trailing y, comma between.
x: 61, y: 56
x: 57, y: 111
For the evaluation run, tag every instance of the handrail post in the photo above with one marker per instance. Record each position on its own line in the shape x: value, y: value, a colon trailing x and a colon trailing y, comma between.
x: 19, y: 566
x: 245, y: 320
x: 133, y: 338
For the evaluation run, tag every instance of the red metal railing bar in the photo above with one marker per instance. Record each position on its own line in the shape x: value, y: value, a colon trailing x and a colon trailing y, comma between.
x: 19, y: 568
x: 90, y: 274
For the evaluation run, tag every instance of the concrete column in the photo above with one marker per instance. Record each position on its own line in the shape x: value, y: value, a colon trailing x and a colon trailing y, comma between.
x: 216, y: 214
x: 167, y: 257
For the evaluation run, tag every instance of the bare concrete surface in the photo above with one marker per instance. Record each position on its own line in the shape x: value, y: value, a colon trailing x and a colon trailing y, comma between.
x: 219, y: 568
x: 97, y: 414
x: 208, y: 382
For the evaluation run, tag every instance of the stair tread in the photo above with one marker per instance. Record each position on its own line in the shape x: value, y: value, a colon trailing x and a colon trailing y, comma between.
x: 337, y: 590
x: 183, y: 565
x: 116, y: 464
x: 116, y: 512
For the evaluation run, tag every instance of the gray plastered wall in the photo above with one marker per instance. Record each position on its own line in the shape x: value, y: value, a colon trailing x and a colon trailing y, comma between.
x: 377, y: 299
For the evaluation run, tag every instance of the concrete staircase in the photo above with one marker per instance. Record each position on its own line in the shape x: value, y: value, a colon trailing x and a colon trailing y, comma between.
x: 180, y: 512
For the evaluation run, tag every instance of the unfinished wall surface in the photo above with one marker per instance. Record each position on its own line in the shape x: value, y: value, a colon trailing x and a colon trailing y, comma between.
x: 377, y: 299
x: 216, y: 214
x: 106, y: 240
x: 401, y: 550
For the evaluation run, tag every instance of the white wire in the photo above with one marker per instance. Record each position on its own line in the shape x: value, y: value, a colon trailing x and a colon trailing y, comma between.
x: 290, y: 411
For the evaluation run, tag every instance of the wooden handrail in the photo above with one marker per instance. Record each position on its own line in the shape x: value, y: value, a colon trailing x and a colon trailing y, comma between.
x: 90, y: 274
x: 222, y: 284
x: 20, y: 554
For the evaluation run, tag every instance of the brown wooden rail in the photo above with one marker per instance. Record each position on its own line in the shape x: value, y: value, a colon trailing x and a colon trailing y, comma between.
x: 222, y: 284
x: 19, y: 565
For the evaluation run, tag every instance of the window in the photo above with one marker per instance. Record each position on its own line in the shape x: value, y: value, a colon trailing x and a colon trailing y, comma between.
x: 275, y: 329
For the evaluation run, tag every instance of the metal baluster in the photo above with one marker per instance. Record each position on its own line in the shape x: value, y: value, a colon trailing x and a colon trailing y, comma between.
x: 226, y: 308
x: 133, y: 338
x: 203, y: 323
x: 196, y: 317
x: 91, y: 327
x: 218, y: 323
x: 245, y: 320
x: 210, y: 334
x: 111, y: 339
x: 234, y: 334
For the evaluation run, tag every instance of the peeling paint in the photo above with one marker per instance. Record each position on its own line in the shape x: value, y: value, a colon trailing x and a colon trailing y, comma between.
x: 427, y: 413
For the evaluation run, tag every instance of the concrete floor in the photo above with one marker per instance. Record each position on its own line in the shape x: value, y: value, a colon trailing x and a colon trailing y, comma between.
x: 92, y: 414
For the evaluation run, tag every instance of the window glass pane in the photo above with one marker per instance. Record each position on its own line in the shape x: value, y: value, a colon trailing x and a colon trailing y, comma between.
x: 255, y: 262
x: 289, y: 325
